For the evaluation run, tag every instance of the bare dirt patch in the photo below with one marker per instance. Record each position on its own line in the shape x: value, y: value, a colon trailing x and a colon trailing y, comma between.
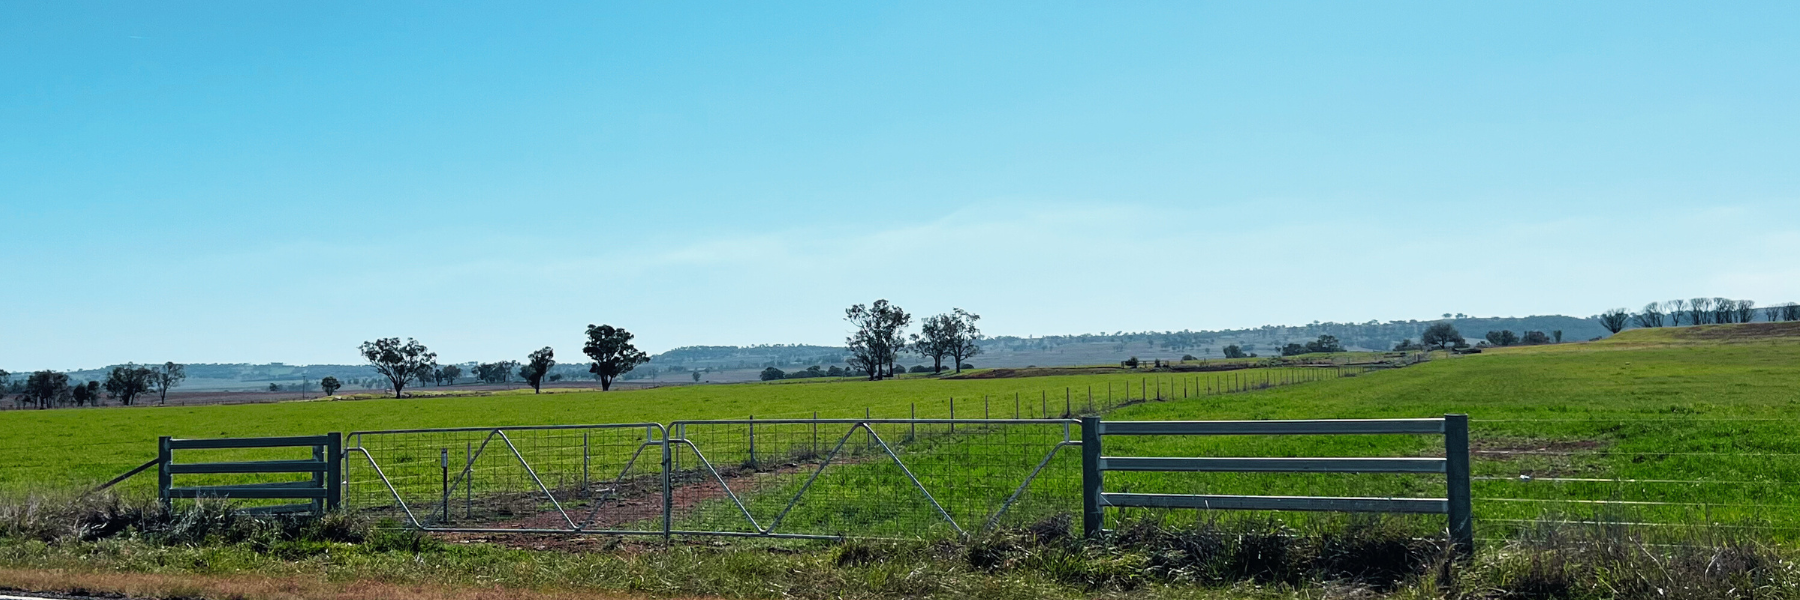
x: 256, y: 587
x: 1536, y: 457
x: 1741, y: 332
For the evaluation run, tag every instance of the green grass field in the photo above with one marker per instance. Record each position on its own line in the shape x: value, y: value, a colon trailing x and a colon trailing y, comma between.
x: 1685, y: 425
x: 81, y: 446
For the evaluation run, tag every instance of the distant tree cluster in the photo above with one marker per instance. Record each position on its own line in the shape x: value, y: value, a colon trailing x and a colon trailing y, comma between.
x: 127, y: 384
x: 772, y: 373
x: 1325, y: 343
x: 1508, y: 338
x: 496, y: 372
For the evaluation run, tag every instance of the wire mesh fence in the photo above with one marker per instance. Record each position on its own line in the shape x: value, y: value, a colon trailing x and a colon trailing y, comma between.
x: 576, y: 478
x: 871, y: 477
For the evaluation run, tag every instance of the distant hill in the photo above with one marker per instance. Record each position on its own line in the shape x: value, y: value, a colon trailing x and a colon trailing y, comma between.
x: 740, y: 363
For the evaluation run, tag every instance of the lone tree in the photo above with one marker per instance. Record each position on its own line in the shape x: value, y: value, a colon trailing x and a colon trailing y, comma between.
x: 933, y: 339
x: 613, y: 355
x: 125, y: 383
x: 400, y: 363
x: 1614, y: 320
x: 330, y: 384
x: 169, y: 376
x: 879, y: 337
x: 964, y: 337
x: 537, y: 365
x: 1441, y: 335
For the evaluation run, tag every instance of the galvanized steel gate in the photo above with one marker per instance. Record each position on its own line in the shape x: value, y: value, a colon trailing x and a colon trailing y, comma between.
x: 795, y: 478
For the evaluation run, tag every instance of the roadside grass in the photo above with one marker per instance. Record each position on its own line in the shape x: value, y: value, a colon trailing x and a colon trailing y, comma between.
x: 210, y: 552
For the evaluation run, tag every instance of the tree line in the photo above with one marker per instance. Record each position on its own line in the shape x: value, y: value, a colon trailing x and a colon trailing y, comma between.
x: 403, y: 363
x: 124, y: 383
x: 1697, y: 311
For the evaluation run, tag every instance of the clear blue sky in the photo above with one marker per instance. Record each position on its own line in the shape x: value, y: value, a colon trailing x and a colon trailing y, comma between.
x: 279, y: 181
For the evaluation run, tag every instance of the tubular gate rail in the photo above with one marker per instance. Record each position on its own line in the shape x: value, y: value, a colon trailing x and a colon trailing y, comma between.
x: 1455, y: 466
x: 321, y: 490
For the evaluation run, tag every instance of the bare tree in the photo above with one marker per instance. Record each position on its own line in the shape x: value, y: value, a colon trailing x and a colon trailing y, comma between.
x: 1676, y: 309
x: 1700, y: 311
x: 613, y: 355
x: 400, y: 363
x: 1746, y: 311
x: 1724, y: 310
x: 965, y: 338
x: 1790, y: 312
x: 537, y: 365
x: 169, y: 376
x: 1651, y: 317
x: 1614, y: 320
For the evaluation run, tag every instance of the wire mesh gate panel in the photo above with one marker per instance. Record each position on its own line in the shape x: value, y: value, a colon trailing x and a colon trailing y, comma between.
x: 549, y: 479
x: 871, y: 477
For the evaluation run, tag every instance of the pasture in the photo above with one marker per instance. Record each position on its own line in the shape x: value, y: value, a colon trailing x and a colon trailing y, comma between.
x: 1679, y: 426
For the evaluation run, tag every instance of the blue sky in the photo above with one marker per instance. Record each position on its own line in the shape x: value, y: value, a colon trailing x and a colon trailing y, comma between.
x: 279, y: 181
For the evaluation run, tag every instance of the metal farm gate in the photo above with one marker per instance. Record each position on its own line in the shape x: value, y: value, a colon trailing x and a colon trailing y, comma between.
x: 807, y: 478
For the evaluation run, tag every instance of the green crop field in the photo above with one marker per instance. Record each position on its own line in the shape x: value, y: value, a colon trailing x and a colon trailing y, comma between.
x: 1686, y: 425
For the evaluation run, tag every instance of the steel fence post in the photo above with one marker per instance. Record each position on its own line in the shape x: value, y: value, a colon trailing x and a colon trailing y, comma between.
x: 1456, y: 470
x: 1093, y: 517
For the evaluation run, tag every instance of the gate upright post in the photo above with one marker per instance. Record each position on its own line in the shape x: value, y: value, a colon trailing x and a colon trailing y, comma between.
x: 162, y: 470
x: 334, y: 470
x: 668, y: 492
x: 1456, y: 470
x: 1093, y: 517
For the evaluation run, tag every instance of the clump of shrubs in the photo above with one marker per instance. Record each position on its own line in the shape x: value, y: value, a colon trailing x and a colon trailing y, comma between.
x: 1374, y: 553
x: 55, y: 519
